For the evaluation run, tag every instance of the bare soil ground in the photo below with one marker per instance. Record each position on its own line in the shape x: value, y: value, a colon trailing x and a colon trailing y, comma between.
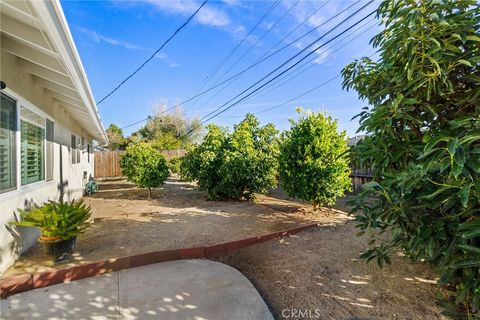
x: 316, y: 272
x: 177, y: 216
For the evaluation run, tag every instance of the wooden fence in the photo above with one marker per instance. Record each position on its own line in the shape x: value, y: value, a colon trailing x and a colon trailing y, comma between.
x: 107, y: 163
x: 359, y: 176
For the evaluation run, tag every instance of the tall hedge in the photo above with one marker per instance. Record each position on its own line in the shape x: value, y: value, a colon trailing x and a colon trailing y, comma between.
x: 234, y: 165
x: 424, y: 141
x: 314, y: 162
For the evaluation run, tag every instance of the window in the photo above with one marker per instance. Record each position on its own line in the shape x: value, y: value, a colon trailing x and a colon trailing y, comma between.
x: 75, y: 143
x: 89, y: 149
x: 8, y: 127
x: 32, y: 150
x: 78, y: 149
x: 49, y: 148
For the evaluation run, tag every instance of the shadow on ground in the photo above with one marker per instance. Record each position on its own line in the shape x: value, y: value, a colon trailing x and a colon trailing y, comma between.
x: 126, y: 223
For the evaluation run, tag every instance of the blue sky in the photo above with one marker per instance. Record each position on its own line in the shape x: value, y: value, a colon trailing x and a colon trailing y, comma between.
x: 115, y: 37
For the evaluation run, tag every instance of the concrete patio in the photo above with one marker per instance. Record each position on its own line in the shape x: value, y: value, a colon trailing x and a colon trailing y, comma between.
x: 185, y: 289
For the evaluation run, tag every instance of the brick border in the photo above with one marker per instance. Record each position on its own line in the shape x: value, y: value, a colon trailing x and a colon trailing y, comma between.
x: 30, y: 281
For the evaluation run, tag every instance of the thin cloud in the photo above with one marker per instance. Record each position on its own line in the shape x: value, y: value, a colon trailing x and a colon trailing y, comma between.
x: 232, y: 2
x: 206, y: 16
x: 97, y: 38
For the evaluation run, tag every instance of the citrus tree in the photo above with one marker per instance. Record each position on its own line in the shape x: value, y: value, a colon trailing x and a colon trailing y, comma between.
x: 234, y: 165
x: 314, y: 162
x: 145, y: 166
x: 424, y: 141
x: 202, y: 163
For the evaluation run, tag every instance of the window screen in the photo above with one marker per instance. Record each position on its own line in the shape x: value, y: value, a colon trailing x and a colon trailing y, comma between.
x: 8, y: 127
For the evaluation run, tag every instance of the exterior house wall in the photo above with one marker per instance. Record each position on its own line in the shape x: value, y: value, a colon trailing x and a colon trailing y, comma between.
x: 67, y: 177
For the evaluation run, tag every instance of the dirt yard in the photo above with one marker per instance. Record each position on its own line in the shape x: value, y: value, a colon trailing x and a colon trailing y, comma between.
x: 316, y: 271
x: 126, y: 223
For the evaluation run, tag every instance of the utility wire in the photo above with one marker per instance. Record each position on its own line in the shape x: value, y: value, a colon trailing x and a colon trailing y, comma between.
x: 154, y: 54
x: 301, y: 37
x: 288, y: 76
x: 205, y: 119
x: 259, y: 39
x: 245, y: 53
x: 296, y: 55
x: 299, y: 70
x: 221, y: 64
x: 294, y: 29
x: 300, y: 95
x: 251, y: 66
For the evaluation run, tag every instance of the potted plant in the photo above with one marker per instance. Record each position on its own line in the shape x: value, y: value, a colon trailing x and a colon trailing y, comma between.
x: 60, y: 223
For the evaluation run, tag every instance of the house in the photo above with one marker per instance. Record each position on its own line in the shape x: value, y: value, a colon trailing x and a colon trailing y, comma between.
x: 48, y: 116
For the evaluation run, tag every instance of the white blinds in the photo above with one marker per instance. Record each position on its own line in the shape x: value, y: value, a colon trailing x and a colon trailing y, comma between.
x: 32, y: 152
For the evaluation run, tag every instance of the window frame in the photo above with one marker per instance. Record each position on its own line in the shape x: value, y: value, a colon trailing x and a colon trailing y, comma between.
x: 19, y: 103
x: 75, y: 149
x: 16, y: 146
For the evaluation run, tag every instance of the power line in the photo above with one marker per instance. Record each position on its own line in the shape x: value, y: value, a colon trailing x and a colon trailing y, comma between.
x: 154, y: 54
x: 254, y: 64
x: 259, y: 39
x: 294, y: 29
x: 301, y: 37
x: 283, y: 72
x: 299, y: 96
x: 245, y: 53
x: 296, y: 55
x: 299, y: 70
x: 221, y: 64
x: 288, y: 76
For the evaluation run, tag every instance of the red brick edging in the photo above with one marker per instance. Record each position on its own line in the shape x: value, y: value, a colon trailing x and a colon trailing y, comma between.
x: 30, y: 281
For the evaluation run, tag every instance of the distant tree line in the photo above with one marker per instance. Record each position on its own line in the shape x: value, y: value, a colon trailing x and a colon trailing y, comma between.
x: 163, y: 131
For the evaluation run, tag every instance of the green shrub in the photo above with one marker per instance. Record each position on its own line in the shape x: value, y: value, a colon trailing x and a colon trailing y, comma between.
x: 314, y: 162
x: 64, y: 220
x: 424, y: 143
x: 234, y: 165
x: 144, y: 166
x: 174, y: 165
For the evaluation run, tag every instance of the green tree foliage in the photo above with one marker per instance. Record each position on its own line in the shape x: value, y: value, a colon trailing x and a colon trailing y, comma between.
x: 145, y: 166
x: 234, y: 165
x: 168, y: 131
x: 424, y: 143
x: 314, y: 162
x: 116, y: 140
x: 174, y: 164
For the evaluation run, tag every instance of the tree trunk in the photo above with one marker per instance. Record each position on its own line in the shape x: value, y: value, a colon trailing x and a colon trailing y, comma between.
x: 149, y: 194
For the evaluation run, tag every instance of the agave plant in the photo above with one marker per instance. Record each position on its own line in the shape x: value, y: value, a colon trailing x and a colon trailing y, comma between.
x: 64, y: 220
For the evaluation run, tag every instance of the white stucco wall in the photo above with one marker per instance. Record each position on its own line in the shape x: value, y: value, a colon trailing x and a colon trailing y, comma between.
x: 65, y: 174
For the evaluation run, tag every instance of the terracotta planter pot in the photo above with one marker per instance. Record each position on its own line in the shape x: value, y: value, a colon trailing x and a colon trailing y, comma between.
x: 56, y: 247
